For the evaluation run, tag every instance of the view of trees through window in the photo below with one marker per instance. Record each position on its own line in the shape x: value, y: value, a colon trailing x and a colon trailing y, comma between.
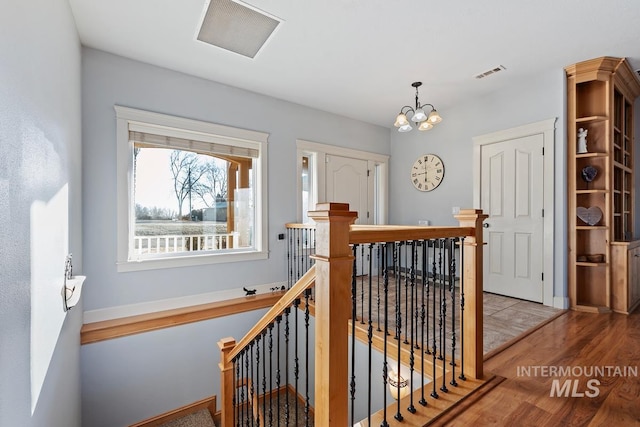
x: 182, y: 201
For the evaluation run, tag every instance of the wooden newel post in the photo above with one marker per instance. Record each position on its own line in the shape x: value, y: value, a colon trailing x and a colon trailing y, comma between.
x: 472, y: 274
x: 226, y: 381
x: 334, y: 264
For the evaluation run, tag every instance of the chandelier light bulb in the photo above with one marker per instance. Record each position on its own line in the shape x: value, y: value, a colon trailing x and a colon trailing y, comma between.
x: 401, y: 120
x: 434, y: 117
x: 425, y: 125
x: 419, y: 116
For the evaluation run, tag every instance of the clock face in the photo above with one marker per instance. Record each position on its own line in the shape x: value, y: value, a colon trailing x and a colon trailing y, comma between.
x: 427, y: 172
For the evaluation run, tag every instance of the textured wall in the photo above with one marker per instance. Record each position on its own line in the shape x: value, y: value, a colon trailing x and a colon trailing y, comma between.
x: 40, y: 213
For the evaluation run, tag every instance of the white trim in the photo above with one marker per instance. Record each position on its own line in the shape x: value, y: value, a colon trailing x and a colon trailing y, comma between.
x: 180, y: 126
x: 561, y: 302
x: 547, y: 129
x: 378, y: 178
x: 120, y: 311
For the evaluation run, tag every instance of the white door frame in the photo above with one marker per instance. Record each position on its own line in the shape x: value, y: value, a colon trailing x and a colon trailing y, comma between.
x: 546, y: 128
x: 376, y: 163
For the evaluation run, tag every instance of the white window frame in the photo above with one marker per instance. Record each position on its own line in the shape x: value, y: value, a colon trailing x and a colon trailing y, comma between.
x: 177, y: 126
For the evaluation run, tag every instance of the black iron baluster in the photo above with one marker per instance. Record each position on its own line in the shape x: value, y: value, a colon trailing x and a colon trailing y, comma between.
x: 242, y: 383
x: 289, y: 263
x: 257, y: 401
x: 441, y: 295
x: 296, y: 361
x: 264, y: 376
x: 396, y: 272
x: 278, y: 322
x: 271, y: 374
x: 252, y: 390
x: 236, y: 397
x: 385, y: 367
x: 300, y: 257
x: 412, y: 408
x: 379, y: 258
x: 452, y: 288
x: 306, y: 325
x: 407, y: 312
x: 362, y: 282
x: 398, y: 416
x: 443, y: 316
x: 369, y: 335
x: 434, y: 346
x: 306, y: 250
x: 286, y: 364
x: 246, y: 384
x: 354, y: 290
x: 462, y: 377
x: 414, y: 291
x: 427, y: 245
x: 423, y: 268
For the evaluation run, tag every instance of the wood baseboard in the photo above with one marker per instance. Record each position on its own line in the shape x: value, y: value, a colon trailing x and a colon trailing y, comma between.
x: 208, y: 403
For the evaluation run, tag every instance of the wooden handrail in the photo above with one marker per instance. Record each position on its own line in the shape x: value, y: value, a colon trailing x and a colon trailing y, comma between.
x: 287, y: 299
x: 359, y: 234
x: 296, y: 225
x: 393, y: 233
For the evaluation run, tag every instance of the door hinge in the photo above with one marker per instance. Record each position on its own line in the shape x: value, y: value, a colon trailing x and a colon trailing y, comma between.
x: 542, y: 213
x: 367, y: 214
x: 368, y: 172
x: 543, y: 151
x: 542, y: 277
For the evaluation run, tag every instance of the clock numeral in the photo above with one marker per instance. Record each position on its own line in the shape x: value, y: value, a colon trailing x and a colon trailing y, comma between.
x: 438, y: 178
x: 415, y: 167
x: 432, y: 159
x: 420, y: 161
x: 419, y: 185
x: 414, y: 174
x: 415, y: 181
x: 439, y: 171
x: 438, y: 164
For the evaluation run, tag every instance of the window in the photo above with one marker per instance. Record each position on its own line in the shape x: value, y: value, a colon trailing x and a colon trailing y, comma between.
x: 189, y: 192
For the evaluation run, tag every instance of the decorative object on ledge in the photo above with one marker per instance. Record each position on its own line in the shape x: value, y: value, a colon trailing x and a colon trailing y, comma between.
x: 249, y: 291
x: 582, y: 141
x: 422, y: 120
x: 589, y: 173
x: 72, y: 285
x: 590, y: 216
x: 398, y: 386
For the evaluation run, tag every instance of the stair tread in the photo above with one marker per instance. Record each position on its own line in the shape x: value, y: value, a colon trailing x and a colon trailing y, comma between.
x: 201, y: 418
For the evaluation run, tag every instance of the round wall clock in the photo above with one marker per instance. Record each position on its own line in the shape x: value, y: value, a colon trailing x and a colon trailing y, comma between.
x: 427, y: 172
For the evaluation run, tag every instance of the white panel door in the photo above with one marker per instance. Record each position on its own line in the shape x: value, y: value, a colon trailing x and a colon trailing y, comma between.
x: 512, y: 195
x: 346, y: 182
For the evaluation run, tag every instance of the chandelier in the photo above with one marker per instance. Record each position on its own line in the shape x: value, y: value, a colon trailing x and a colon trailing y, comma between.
x: 422, y: 120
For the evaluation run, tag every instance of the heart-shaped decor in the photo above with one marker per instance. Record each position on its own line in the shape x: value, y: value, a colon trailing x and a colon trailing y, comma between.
x: 591, y: 215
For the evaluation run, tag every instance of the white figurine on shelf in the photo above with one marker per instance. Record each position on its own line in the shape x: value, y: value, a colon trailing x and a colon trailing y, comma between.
x: 582, y: 141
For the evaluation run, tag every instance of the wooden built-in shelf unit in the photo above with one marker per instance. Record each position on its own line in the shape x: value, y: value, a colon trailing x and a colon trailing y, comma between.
x: 604, y: 261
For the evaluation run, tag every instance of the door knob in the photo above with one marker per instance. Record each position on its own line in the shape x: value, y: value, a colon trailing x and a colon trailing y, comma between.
x: 485, y: 225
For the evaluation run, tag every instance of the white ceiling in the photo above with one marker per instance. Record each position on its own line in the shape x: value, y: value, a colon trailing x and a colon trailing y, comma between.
x: 358, y: 58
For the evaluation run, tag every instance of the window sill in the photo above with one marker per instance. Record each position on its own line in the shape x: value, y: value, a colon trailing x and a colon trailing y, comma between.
x: 189, y: 261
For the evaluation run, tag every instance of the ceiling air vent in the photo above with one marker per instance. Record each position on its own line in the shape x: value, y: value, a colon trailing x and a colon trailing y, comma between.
x: 236, y: 27
x: 489, y: 72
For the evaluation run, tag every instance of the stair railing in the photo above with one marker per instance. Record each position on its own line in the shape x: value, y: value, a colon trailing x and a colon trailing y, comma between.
x: 338, y: 244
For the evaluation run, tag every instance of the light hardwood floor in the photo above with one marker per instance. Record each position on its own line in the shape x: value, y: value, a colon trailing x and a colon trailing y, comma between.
x: 574, y: 339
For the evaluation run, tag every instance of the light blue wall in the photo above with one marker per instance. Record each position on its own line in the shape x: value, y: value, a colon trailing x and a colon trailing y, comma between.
x: 110, y: 80
x: 40, y: 207
x: 129, y: 379
x: 537, y: 98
